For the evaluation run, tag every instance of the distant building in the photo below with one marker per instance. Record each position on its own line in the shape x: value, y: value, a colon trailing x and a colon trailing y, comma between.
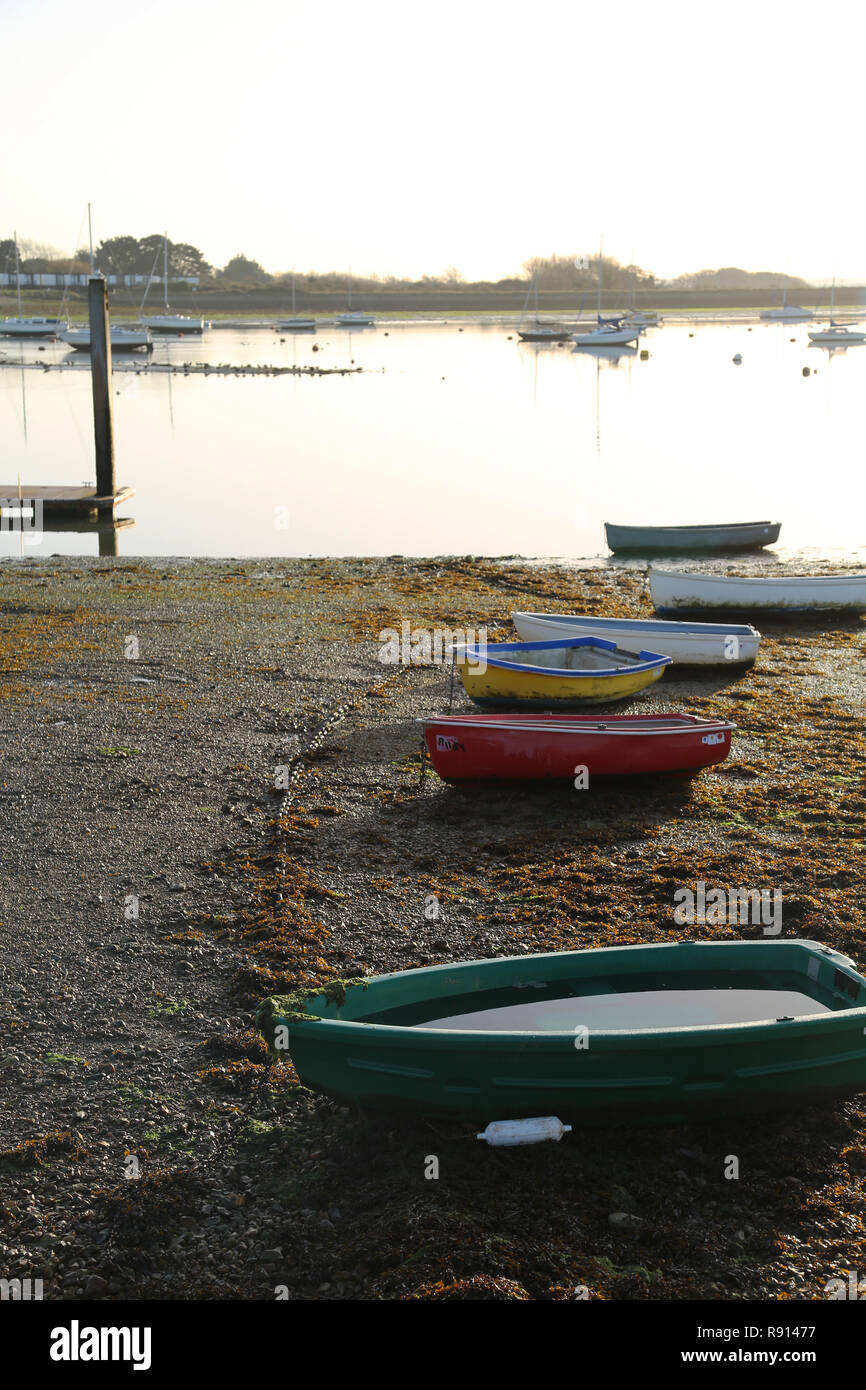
x: 44, y: 280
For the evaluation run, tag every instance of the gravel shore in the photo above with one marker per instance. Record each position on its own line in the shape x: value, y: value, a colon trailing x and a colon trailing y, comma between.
x: 153, y: 891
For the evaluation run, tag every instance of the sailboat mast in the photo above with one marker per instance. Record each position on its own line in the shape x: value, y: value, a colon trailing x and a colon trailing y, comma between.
x: 165, y: 268
x: 18, y: 272
x: 293, y: 294
x: 90, y: 237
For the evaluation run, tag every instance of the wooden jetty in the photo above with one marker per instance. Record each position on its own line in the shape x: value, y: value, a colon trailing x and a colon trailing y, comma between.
x: 105, y: 496
x: 72, y: 501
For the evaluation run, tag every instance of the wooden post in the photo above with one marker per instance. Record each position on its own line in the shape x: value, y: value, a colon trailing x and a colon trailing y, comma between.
x: 100, y: 374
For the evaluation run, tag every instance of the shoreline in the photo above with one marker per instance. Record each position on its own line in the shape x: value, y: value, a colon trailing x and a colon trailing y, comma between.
x: 131, y: 1035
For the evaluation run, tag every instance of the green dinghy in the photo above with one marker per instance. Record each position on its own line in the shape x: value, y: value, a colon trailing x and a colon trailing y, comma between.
x: 663, y: 1033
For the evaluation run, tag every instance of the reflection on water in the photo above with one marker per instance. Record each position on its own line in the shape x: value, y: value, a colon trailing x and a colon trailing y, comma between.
x: 450, y: 441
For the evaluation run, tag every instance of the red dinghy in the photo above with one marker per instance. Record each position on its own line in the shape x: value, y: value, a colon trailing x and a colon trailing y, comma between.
x: 513, y: 746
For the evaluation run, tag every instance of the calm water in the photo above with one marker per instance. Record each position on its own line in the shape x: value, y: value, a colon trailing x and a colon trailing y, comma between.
x: 454, y: 442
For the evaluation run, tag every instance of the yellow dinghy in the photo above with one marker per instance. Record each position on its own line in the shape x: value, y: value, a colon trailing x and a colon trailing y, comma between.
x: 577, y: 671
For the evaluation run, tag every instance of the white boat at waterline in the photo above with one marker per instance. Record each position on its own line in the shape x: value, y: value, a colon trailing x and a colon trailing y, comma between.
x: 174, y: 323
x: 539, y: 330
x: 836, y: 334
x: 353, y: 318
x: 298, y: 323
x: 608, y: 332
x: 32, y: 328
x: 687, y: 644
x: 122, y: 339
x: 787, y: 313
x: 683, y: 589
x: 169, y: 322
x: 21, y: 327
x: 643, y: 318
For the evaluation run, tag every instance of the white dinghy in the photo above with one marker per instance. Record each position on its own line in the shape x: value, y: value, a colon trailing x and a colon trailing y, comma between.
x: 679, y: 589
x: 687, y: 644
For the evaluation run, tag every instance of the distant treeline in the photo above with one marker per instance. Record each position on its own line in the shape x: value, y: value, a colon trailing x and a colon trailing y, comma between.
x: 128, y: 255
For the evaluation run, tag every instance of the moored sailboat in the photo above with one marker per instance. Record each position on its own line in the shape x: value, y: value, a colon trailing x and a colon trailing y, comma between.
x: 353, y: 318
x: 35, y: 327
x: 170, y: 322
x: 787, y: 313
x: 122, y: 338
x: 298, y: 323
x: 610, y: 332
x: 836, y: 334
x: 540, y: 330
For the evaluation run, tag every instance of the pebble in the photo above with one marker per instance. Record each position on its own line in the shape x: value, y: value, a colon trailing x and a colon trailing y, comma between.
x: 624, y: 1220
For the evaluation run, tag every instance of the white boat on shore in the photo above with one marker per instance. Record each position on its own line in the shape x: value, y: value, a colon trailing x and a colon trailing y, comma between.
x: 683, y: 589
x: 687, y: 644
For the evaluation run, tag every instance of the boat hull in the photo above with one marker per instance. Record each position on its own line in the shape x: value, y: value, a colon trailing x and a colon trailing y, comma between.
x: 663, y: 1075
x: 519, y: 747
x: 643, y: 540
x: 617, y: 337
x: 170, y: 324
x: 674, y: 590
x: 836, y: 339
x: 31, y: 328
x: 531, y: 335
x: 687, y: 644
x: 524, y: 673
x: 121, y: 340
x: 791, y: 315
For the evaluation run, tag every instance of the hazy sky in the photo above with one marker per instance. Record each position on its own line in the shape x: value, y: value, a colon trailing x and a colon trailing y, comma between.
x: 403, y: 138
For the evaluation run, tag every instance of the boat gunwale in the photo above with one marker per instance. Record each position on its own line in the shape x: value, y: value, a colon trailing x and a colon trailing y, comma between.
x: 683, y: 629
x: 640, y: 661
x: 762, y: 580
x: 416, y: 1036
x: 584, y: 724
x: 699, y: 526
